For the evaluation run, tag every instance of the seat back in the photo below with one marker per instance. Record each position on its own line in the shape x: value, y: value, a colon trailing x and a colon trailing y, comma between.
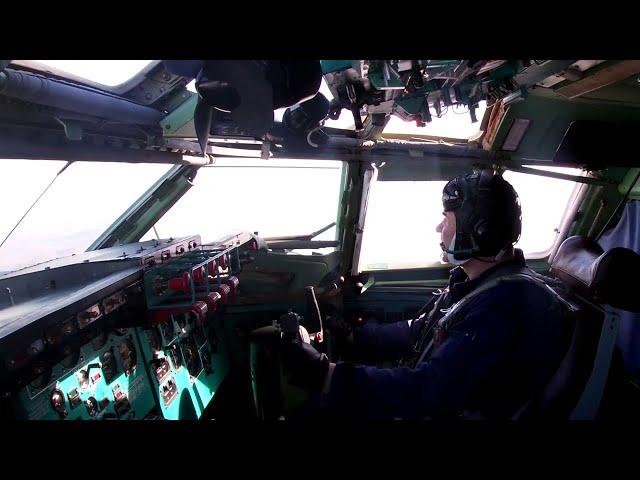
x: 596, y: 280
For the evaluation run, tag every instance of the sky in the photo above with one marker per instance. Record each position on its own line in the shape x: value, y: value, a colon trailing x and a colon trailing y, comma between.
x: 232, y: 195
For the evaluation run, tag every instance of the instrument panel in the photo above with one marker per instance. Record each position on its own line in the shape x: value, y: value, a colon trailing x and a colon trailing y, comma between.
x: 187, y: 364
x: 105, y: 379
x: 101, y: 345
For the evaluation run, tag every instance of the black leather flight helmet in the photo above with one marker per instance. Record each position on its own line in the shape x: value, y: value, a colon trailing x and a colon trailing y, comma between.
x: 488, y: 215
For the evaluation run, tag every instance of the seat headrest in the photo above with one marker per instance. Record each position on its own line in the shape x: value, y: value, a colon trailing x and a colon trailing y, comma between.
x: 603, y: 277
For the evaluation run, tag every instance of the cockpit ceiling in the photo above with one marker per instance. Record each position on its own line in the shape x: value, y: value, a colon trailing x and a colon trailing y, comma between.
x: 150, y: 117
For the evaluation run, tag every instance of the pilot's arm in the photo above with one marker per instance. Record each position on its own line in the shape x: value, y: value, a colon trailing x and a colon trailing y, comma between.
x: 471, y: 354
x: 475, y: 347
x: 385, y: 341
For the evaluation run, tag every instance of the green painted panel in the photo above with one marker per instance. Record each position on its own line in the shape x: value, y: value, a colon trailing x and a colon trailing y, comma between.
x: 330, y: 66
x: 131, y: 393
x: 180, y: 117
x: 626, y: 183
x: 190, y: 364
x: 550, y: 118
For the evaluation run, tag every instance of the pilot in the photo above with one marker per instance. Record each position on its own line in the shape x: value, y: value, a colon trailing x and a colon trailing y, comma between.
x: 492, y: 339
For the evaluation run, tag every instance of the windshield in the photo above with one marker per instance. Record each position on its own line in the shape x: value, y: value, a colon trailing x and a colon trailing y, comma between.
x: 82, y: 202
x: 279, y: 197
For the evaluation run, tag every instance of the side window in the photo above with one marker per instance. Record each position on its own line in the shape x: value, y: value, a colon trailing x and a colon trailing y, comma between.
x: 272, y: 197
x: 544, y: 202
x: 402, y: 218
x: 80, y: 204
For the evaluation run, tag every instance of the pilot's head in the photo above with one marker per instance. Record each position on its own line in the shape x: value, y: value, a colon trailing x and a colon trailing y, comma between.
x: 482, y: 218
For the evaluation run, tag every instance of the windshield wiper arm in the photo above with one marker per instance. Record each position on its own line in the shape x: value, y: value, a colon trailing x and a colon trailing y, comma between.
x: 303, y: 237
x: 34, y: 203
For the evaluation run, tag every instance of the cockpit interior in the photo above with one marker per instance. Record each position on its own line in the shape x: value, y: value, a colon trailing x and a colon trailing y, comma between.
x: 157, y: 212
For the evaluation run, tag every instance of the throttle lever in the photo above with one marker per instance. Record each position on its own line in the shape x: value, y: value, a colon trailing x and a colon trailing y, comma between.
x: 315, y: 319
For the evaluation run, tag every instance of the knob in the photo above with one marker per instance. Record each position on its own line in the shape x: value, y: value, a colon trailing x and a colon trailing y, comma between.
x: 42, y: 374
x: 83, y: 378
x: 224, y: 291
x: 53, y: 336
x: 155, y: 342
x: 233, y: 283
x: 199, y: 275
x: 92, y: 406
x: 128, y: 356
x: 88, y: 314
x: 222, y: 261
x: 212, y: 268
x: 67, y: 327
x: 109, y: 367
x: 57, y: 402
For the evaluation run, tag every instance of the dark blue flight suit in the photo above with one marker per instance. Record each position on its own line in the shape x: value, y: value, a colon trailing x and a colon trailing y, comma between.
x: 505, y: 346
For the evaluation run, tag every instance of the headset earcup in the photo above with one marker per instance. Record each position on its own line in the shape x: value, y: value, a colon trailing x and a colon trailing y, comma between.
x: 482, y: 233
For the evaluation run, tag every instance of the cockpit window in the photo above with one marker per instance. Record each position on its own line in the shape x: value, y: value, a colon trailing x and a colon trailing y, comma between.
x: 454, y: 122
x: 106, y: 72
x: 80, y: 204
x: 543, y: 201
x: 274, y: 197
x: 402, y: 217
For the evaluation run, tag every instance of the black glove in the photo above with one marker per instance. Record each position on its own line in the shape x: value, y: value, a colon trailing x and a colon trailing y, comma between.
x: 338, y: 327
x: 307, y: 366
x: 268, y: 335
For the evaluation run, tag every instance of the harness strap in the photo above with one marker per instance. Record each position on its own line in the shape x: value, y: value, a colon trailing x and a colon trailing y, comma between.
x: 453, y: 314
x: 589, y: 403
